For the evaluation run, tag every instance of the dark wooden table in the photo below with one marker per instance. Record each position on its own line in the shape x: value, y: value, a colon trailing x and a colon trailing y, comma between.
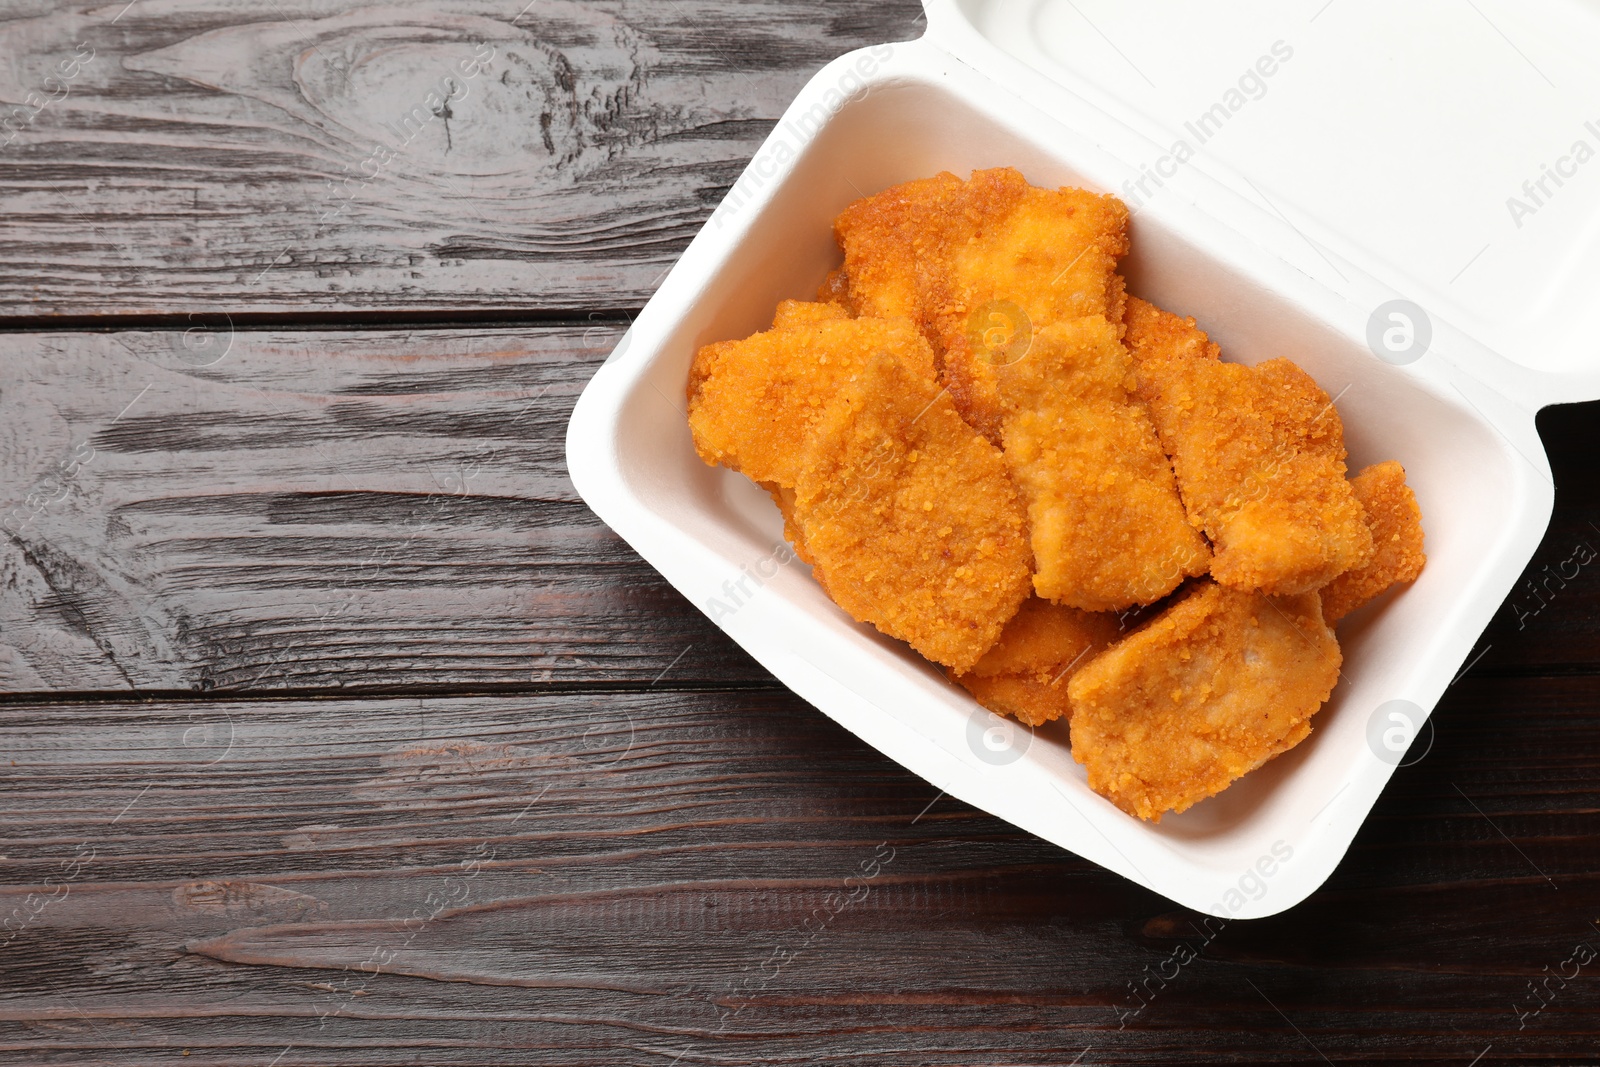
x: 337, y: 730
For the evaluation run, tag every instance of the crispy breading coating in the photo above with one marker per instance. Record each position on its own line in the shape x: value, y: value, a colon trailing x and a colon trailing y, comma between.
x: 970, y: 260
x: 1107, y: 527
x: 794, y: 314
x: 1259, y: 457
x: 1206, y: 692
x: 909, y: 517
x: 1025, y: 674
x: 1156, y: 334
x: 752, y: 403
x: 897, y: 247
x: 1396, y: 524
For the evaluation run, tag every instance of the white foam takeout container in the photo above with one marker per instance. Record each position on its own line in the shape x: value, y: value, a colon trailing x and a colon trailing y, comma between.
x: 1376, y: 161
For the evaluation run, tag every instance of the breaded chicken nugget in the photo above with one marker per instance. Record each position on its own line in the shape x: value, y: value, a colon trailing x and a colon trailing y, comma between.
x: 1396, y: 524
x: 1107, y: 527
x: 1025, y: 675
x: 1206, y: 692
x: 752, y: 403
x: 1156, y: 334
x: 794, y: 314
x: 1259, y: 457
x: 981, y: 263
x: 909, y: 518
x: 897, y: 247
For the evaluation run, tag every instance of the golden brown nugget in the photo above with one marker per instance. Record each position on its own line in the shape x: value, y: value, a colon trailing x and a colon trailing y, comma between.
x: 1025, y: 674
x: 1107, y: 527
x: 909, y: 518
x: 1156, y: 334
x: 1206, y: 692
x: 1396, y: 524
x: 982, y: 264
x: 752, y: 402
x: 897, y: 248
x: 794, y: 314
x: 1259, y: 457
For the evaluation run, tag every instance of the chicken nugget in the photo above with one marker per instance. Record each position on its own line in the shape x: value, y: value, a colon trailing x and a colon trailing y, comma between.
x: 794, y: 314
x: 1207, y: 691
x: 1025, y: 674
x: 1259, y: 457
x: 1107, y: 526
x: 976, y: 260
x: 752, y: 402
x: 909, y: 518
x: 1156, y: 334
x: 897, y: 247
x: 1396, y: 524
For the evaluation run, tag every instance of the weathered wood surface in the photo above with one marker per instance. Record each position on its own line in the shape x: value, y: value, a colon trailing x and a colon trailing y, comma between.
x: 288, y: 157
x: 729, y: 878
x: 305, y: 511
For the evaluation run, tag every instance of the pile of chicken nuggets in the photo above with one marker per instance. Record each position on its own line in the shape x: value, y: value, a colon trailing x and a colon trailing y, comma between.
x: 985, y: 447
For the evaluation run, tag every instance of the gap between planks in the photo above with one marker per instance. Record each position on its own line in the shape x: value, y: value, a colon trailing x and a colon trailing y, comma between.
x: 264, y: 696
x: 351, y: 321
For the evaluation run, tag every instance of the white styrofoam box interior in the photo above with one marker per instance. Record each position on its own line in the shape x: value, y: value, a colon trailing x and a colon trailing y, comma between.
x: 1484, y: 500
x: 1393, y: 135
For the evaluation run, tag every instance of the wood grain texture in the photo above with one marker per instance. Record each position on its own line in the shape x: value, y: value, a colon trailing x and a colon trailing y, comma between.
x: 266, y: 511
x: 730, y: 879
x: 288, y: 157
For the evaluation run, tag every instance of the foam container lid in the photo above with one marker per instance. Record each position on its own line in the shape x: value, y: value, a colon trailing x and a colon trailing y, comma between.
x: 1449, y: 150
x: 1347, y: 162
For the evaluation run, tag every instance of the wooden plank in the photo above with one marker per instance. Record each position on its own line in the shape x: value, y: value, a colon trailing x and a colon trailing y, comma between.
x: 263, y: 511
x: 729, y: 878
x: 339, y: 156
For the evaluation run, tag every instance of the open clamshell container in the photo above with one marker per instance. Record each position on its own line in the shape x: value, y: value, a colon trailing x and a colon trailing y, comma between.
x: 1293, y: 169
